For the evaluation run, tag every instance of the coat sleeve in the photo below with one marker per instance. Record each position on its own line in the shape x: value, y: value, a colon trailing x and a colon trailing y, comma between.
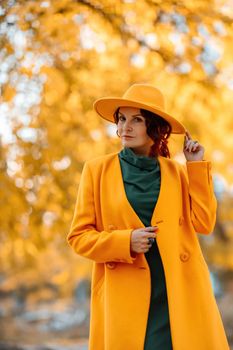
x: 83, y: 237
x: 202, y: 199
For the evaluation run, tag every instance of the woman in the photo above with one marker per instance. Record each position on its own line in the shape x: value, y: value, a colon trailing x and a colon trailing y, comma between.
x: 137, y: 217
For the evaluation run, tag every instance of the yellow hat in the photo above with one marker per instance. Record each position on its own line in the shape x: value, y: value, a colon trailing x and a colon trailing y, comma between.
x: 145, y: 96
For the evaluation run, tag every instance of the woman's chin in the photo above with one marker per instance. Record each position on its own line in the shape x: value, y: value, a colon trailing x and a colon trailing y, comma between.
x: 127, y: 142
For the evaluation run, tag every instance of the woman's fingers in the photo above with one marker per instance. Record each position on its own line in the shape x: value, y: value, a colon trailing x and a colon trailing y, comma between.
x: 196, y: 146
x: 193, y: 150
x: 149, y: 237
x: 191, y: 146
x: 143, y: 238
x: 188, y: 135
x: 151, y: 229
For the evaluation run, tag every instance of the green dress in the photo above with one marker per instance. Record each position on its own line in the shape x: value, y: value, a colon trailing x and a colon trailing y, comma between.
x: 141, y: 176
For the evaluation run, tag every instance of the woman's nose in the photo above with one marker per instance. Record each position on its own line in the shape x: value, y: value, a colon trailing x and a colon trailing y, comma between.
x: 127, y: 126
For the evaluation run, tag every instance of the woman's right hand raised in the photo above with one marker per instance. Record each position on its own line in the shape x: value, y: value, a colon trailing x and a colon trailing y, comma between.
x: 139, y: 242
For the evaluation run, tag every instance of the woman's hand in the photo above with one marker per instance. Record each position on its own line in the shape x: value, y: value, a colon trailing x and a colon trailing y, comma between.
x: 193, y: 150
x: 139, y: 239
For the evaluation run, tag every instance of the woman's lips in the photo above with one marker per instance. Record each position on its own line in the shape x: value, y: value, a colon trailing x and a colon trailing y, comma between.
x: 127, y: 137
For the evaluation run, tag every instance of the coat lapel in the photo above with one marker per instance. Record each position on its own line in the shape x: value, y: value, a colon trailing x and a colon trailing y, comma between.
x: 159, y: 212
x: 130, y: 211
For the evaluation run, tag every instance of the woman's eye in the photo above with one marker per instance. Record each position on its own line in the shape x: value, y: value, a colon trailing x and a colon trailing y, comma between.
x: 122, y: 118
x: 138, y: 119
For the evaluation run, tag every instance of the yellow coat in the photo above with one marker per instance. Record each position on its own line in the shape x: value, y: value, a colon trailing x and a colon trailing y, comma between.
x: 120, y: 293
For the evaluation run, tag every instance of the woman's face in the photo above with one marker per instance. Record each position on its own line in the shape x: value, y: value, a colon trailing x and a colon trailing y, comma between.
x: 132, y: 130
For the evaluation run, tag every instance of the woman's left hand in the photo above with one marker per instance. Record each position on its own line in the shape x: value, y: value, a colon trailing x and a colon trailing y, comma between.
x: 193, y: 150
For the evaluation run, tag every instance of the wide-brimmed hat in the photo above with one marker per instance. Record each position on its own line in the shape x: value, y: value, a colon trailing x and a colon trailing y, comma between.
x: 145, y: 96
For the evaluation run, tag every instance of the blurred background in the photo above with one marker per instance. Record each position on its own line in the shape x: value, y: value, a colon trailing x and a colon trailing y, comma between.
x: 56, y: 58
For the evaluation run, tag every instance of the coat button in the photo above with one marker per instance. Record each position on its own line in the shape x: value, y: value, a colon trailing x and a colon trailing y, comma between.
x: 184, y: 256
x: 181, y: 220
x: 111, y: 265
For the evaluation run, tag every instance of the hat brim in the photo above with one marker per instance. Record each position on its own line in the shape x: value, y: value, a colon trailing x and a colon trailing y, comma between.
x: 107, y: 106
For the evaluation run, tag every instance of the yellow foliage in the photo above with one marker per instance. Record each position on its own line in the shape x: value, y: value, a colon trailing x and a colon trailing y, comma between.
x: 89, y: 50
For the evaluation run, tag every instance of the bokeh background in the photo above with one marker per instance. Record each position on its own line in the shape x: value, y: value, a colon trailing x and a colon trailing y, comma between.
x: 56, y: 58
